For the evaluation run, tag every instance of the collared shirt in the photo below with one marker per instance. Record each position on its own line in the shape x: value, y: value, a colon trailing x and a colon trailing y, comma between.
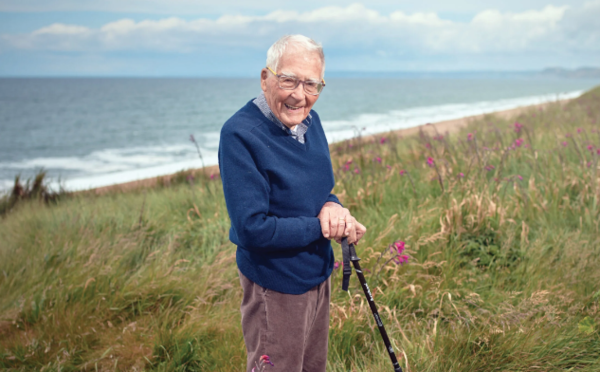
x: 297, y: 134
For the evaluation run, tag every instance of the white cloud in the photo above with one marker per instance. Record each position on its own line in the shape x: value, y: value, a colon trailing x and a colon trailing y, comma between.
x: 203, y: 7
x: 352, y: 27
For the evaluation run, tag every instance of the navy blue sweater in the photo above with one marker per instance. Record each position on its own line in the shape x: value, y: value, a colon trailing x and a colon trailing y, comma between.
x: 274, y: 188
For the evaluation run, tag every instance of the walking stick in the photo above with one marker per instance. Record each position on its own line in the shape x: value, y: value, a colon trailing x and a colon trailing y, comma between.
x: 349, y: 254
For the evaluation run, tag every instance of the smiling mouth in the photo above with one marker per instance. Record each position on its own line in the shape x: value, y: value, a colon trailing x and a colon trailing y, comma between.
x: 293, y: 108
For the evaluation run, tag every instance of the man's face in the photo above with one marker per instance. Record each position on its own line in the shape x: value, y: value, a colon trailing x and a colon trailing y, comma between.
x: 292, y: 106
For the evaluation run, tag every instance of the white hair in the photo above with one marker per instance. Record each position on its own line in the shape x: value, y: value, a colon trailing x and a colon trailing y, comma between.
x: 278, y: 48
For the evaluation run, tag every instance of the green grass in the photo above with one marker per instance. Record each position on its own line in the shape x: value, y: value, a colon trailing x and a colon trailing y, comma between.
x: 503, y: 271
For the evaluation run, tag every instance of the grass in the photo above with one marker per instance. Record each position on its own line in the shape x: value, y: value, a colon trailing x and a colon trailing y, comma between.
x: 502, y: 230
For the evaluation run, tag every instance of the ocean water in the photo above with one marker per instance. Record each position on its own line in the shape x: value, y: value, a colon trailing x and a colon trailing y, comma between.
x: 88, y: 132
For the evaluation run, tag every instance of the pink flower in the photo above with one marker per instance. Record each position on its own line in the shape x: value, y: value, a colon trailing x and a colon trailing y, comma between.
x: 428, y: 145
x: 337, y: 264
x: 382, y: 140
x: 388, y: 166
x: 461, y: 175
x: 579, y: 130
x: 590, y: 148
x: 397, y: 247
x: 262, y: 362
x: 350, y: 145
x: 520, y: 177
x: 356, y: 170
x: 402, y: 172
x: 346, y: 167
x: 598, y: 151
x: 266, y: 360
x: 430, y: 161
x: 212, y: 176
x: 378, y: 159
x: 470, y: 137
x: 568, y: 135
x: 401, y: 260
x: 564, y: 143
x: 518, y: 127
x: 489, y: 167
x: 518, y: 142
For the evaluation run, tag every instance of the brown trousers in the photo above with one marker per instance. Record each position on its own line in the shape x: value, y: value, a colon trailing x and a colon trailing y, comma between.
x: 293, y: 330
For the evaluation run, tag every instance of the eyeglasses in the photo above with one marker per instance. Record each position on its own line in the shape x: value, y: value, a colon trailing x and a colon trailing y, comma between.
x: 290, y: 83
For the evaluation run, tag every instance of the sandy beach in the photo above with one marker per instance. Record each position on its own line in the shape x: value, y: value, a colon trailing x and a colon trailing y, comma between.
x: 448, y: 126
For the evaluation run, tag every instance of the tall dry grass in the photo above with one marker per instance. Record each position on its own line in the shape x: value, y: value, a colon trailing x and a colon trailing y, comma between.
x: 501, y: 223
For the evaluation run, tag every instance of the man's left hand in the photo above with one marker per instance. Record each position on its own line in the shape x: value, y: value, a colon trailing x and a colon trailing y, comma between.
x: 337, y: 222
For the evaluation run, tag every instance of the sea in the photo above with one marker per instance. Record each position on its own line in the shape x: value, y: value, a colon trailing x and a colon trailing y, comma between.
x: 92, y: 132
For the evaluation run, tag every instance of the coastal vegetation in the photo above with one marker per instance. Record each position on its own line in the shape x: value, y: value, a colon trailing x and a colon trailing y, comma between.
x: 482, y: 253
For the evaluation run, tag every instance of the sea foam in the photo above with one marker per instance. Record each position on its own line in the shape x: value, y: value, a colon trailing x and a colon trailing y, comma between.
x: 113, y: 166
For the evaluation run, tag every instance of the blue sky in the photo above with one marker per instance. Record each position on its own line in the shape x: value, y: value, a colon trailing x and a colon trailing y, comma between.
x: 230, y: 37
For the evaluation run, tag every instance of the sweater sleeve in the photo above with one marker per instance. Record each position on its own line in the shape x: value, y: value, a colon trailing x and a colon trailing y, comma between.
x: 247, y: 197
x: 333, y: 198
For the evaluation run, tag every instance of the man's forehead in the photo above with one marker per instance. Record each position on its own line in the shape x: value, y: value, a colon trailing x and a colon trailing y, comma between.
x: 306, y: 56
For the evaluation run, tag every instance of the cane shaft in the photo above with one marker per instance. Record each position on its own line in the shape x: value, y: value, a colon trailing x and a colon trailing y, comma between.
x: 373, y: 307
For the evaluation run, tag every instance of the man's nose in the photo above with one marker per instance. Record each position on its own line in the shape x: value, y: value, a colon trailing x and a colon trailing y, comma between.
x: 298, y: 92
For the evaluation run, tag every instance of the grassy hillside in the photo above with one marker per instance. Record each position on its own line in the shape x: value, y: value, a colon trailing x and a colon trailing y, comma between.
x: 500, y: 220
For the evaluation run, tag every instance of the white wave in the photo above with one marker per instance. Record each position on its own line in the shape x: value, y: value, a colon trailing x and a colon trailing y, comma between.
x: 339, y: 130
x: 113, y: 166
x: 89, y: 182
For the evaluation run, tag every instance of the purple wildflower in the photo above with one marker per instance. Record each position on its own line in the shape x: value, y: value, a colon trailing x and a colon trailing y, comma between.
x: 470, y: 137
x: 518, y: 127
x: 430, y: 161
x: 402, y: 172
x: 564, y: 143
x: 266, y: 360
x: 398, y: 247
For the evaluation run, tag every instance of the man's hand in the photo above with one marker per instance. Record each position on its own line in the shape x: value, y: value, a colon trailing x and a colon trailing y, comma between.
x: 337, y: 222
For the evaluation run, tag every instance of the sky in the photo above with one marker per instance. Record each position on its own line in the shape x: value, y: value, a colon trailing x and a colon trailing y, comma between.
x: 230, y: 37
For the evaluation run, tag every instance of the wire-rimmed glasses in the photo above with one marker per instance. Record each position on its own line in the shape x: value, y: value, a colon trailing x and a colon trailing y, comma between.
x: 312, y: 87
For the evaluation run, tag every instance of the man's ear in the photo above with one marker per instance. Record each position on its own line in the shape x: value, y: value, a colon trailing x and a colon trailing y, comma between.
x: 264, y: 74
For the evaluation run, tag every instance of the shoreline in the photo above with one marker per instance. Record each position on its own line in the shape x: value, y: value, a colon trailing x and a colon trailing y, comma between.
x: 446, y: 126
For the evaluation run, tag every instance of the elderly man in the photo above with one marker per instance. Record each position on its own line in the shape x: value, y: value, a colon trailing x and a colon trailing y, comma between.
x: 277, y: 179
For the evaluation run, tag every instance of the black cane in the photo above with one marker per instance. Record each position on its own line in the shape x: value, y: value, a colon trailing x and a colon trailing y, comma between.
x: 349, y: 254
